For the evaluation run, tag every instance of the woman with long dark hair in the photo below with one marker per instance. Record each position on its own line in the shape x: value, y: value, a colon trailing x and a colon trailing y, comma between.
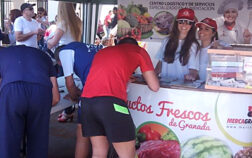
x: 178, y: 58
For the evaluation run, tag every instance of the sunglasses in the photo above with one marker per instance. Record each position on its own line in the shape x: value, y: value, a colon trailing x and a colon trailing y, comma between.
x: 185, y: 22
x: 30, y: 8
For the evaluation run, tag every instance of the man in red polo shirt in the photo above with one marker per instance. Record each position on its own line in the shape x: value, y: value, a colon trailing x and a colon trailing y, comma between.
x: 105, y: 116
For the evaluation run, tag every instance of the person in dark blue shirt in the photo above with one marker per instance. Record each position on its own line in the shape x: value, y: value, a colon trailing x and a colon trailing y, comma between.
x: 1, y: 35
x: 75, y: 58
x: 28, y: 89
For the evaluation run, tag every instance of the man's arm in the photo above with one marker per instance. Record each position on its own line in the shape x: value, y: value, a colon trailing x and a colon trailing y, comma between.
x: 73, y: 91
x: 151, y: 80
x: 55, y: 91
x: 23, y: 37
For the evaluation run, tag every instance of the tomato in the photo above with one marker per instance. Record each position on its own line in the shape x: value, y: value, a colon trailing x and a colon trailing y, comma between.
x: 149, y: 133
x: 144, y: 129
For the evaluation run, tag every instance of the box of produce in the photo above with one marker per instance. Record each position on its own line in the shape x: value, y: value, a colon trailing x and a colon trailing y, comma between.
x: 135, y: 21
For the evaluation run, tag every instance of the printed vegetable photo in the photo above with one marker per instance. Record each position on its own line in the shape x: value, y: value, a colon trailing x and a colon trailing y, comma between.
x: 135, y: 21
x: 156, y: 140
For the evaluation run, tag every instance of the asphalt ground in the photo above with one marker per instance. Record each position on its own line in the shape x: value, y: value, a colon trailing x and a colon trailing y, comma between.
x: 62, y: 138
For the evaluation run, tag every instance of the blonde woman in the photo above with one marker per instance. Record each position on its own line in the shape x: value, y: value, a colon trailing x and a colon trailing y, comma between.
x: 69, y: 26
x: 69, y: 29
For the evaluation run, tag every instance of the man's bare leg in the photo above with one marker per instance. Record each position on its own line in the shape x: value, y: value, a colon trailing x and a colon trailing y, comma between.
x: 82, y: 144
x: 125, y: 149
x: 100, y: 146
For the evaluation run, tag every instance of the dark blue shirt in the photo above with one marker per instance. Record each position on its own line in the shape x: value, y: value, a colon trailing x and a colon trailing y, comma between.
x: 83, y: 57
x: 1, y: 35
x: 22, y: 63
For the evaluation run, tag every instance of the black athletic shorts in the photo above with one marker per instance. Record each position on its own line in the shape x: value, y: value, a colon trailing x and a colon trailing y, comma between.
x: 107, y: 116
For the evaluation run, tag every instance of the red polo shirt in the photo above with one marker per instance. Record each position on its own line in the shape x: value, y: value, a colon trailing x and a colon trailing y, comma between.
x: 112, y: 68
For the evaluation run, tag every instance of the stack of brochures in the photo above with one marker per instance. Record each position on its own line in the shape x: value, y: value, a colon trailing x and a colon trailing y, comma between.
x: 226, y: 67
x: 230, y: 70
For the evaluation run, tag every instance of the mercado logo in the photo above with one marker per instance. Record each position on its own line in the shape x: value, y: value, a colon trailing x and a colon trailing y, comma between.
x: 238, y: 121
x: 235, y: 123
x: 250, y: 111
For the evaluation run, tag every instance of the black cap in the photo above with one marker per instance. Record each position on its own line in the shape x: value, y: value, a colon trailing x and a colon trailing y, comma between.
x: 26, y: 5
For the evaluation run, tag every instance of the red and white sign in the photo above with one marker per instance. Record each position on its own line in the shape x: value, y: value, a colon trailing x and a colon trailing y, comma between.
x: 223, y: 119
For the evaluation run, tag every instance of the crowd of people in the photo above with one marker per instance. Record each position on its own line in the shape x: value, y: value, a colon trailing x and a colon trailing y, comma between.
x: 29, y: 84
x: 108, y: 28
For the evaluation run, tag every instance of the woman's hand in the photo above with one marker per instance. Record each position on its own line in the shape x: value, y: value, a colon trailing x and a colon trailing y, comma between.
x: 56, y: 38
x: 158, y: 68
x: 189, y: 77
x: 192, y: 76
x: 247, y: 36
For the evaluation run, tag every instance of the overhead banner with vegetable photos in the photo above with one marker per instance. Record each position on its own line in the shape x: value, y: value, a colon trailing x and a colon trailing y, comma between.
x: 152, y: 19
x: 190, y: 124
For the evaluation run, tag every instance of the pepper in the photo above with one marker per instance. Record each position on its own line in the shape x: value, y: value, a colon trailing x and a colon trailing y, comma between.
x: 149, y: 133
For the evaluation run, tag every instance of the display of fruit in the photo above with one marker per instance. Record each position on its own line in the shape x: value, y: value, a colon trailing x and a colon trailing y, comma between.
x: 132, y: 20
x: 246, y: 152
x: 205, y: 147
x: 140, y: 21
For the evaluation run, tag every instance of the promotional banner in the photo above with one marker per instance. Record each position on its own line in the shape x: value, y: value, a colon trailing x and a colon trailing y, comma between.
x: 190, y: 123
x: 152, y: 19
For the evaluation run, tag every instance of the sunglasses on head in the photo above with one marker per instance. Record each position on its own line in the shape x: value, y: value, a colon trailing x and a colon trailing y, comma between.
x: 30, y: 8
x: 188, y: 22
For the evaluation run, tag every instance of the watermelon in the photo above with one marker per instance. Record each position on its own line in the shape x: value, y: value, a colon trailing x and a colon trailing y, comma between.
x: 205, y: 147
